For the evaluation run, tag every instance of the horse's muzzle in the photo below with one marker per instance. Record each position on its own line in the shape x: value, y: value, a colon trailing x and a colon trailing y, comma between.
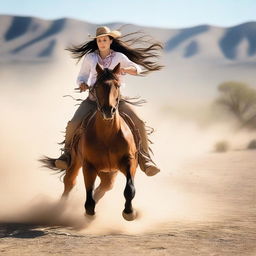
x: 108, y: 112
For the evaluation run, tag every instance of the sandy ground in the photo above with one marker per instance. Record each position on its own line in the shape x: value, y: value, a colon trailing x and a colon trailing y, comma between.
x: 225, y: 181
x: 200, y: 203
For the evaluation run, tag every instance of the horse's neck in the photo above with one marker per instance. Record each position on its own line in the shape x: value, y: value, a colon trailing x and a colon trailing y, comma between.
x: 107, y: 129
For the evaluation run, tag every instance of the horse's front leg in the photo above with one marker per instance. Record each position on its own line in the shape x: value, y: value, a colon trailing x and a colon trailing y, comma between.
x: 106, y: 184
x: 90, y: 175
x: 129, y: 213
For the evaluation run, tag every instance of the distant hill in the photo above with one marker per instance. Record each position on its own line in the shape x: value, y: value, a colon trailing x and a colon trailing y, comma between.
x: 196, y: 59
x: 29, y: 37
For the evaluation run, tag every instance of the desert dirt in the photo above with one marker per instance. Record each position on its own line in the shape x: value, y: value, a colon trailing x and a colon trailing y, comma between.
x: 218, y: 189
x: 201, y: 203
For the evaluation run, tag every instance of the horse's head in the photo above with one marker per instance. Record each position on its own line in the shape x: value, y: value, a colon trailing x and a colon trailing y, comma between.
x: 107, y: 91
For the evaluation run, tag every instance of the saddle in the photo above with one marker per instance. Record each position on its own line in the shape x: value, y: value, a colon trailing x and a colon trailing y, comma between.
x: 126, y: 118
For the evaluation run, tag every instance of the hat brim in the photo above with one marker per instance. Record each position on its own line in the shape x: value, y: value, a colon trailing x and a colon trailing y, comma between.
x: 114, y: 34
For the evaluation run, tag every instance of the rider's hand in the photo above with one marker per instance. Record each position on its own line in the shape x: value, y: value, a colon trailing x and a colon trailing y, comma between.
x: 122, y: 71
x: 83, y: 87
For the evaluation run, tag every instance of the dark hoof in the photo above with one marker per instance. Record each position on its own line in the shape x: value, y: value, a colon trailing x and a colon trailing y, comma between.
x: 130, y: 216
x: 89, y: 217
x: 90, y: 212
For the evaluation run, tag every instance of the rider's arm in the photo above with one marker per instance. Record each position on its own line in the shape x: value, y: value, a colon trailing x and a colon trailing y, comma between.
x: 129, y: 70
x: 84, y: 71
x: 128, y: 66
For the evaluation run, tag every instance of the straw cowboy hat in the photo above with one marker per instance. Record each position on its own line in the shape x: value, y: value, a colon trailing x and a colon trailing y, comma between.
x: 105, y: 31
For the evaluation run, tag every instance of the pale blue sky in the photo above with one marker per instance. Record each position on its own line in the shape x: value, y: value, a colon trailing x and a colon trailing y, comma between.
x: 159, y: 13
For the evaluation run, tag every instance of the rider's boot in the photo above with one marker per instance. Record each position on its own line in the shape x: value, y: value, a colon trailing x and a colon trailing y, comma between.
x: 64, y: 160
x: 147, y: 166
x: 138, y: 126
x: 145, y: 162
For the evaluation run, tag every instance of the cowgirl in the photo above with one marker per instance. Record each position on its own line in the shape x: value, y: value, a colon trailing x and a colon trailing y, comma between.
x: 108, y: 49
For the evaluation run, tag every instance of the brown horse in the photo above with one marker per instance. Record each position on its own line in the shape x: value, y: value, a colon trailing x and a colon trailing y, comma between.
x: 104, y: 146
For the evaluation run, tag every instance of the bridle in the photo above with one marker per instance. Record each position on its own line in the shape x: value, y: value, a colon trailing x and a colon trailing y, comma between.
x: 94, y: 94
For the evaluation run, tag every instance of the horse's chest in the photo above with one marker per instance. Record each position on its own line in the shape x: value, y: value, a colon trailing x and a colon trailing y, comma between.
x: 105, y: 155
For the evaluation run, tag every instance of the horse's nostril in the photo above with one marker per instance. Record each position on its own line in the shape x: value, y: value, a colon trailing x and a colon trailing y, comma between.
x: 113, y: 110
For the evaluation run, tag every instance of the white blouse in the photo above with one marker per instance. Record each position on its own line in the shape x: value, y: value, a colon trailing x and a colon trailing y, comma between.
x: 88, y: 73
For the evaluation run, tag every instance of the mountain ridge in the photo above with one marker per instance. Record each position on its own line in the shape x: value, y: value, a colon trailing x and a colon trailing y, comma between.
x: 20, y: 34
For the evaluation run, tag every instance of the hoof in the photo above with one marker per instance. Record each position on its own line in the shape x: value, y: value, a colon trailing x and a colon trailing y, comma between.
x: 63, y: 199
x: 89, y: 216
x: 130, y: 216
x: 90, y: 212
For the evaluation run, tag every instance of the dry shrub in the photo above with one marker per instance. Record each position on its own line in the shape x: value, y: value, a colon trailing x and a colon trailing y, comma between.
x: 252, y: 144
x: 221, y: 146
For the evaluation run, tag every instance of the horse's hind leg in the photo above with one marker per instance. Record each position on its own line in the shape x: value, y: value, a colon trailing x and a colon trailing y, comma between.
x: 129, y: 192
x: 90, y: 175
x: 107, y: 180
x: 70, y: 178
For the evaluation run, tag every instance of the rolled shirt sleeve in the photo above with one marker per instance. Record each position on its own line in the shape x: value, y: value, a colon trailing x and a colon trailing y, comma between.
x: 85, y: 70
x: 125, y: 63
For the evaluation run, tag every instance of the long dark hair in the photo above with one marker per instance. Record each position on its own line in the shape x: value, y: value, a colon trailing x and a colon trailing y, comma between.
x: 137, y: 46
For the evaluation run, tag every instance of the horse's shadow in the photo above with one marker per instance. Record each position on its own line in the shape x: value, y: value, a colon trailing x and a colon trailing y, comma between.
x: 42, y: 218
x: 20, y: 230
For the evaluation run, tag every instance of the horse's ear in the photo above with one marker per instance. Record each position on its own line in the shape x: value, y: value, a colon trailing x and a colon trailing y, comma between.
x: 98, y: 68
x: 116, y: 69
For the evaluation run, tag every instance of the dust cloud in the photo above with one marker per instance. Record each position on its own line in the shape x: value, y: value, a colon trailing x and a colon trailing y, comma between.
x: 34, y: 114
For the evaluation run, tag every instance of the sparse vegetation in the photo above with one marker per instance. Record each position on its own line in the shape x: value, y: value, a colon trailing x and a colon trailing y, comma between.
x: 240, y: 100
x: 221, y: 146
x: 252, y: 144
